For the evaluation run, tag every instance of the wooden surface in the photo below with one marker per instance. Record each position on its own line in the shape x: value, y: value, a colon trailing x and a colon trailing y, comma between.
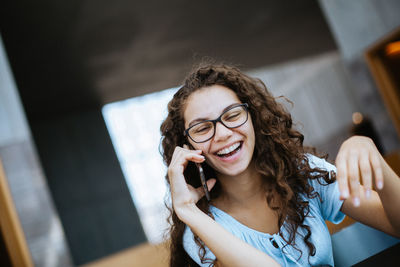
x: 145, y: 255
x: 382, y: 76
x: 11, y: 227
x: 334, y: 228
x: 393, y: 159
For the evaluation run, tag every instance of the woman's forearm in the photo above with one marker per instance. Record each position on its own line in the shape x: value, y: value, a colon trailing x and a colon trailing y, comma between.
x: 390, y: 196
x: 228, y: 249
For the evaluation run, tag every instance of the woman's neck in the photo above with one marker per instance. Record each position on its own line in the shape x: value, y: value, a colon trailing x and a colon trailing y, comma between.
x: 241, y: 190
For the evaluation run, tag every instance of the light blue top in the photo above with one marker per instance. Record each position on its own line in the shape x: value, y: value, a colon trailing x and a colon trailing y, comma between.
x: 328, y: 209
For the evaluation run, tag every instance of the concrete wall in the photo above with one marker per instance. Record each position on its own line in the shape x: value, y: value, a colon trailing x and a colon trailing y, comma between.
x: 92, y: 215
x: 322, y: 98
x: 39, y: 219
x: 87, y: 184
x: 356, y: 25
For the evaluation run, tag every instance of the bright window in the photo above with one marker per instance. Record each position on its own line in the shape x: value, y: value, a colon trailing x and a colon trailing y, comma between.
x: 134, y: 127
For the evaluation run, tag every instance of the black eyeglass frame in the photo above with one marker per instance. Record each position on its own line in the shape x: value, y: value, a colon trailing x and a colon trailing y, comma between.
x: 219, y: 119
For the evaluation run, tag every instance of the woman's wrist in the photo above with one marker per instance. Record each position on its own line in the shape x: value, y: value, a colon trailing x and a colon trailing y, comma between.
x: 187, y: 212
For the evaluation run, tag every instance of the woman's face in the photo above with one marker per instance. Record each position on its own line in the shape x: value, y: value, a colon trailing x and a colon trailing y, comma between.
x: 230, y: 151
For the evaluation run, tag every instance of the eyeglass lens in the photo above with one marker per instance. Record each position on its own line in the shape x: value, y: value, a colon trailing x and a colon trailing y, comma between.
x: 231, y: 118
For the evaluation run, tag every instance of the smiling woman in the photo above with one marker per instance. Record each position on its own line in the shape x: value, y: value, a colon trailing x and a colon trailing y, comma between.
x: 270, y: 197
x: 224, y: 157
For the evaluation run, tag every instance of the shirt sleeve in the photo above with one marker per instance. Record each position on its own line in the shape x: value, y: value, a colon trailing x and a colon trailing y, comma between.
x: 330, y: 203
x: 192, y: 249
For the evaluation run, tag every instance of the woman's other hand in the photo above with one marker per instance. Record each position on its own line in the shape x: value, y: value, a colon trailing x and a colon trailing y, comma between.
x: 185, y: 196
x: 358, y: 162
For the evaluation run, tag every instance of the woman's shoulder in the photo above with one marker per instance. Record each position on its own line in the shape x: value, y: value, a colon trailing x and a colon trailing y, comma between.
x: 328, y: 202
x: 318, y: 182
x: 321, y: 163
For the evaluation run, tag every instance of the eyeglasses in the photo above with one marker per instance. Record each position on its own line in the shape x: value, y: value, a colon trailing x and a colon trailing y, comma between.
x: 234, y: 117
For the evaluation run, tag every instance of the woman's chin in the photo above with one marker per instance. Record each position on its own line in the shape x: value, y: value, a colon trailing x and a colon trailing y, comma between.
x: 231, y: 171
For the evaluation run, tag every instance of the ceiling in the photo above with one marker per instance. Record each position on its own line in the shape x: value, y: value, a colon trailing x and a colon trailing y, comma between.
x: 81, y: 54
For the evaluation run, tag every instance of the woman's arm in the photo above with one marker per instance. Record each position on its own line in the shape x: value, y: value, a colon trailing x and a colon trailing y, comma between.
x: 229, y: 250
x: 359, y: 161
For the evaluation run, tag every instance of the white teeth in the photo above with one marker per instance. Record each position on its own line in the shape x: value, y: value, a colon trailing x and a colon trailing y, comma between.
x: 228, y: 149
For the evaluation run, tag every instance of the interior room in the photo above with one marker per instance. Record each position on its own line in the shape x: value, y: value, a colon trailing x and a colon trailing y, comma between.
x: 84, y: 87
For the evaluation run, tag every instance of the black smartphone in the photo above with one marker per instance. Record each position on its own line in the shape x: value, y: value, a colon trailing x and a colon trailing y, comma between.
x: 203, y: 180
x: 202, y: 177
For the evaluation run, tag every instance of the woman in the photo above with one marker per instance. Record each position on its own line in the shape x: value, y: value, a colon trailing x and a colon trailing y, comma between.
x: 269, y: 197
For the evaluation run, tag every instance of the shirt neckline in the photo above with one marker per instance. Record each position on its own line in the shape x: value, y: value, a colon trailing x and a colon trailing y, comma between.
x: 246, y: 228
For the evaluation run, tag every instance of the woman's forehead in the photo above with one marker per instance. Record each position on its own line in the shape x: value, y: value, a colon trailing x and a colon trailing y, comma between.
x: 208, y: 102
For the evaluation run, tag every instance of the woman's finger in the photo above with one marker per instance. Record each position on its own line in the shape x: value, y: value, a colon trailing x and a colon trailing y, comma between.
x: 342, y: 175
x: 180, y: 159
x: 198, y: 151
x: 366, y: 173
x: 377, y: 168
x: 182, y: 155
x: 354, y: 177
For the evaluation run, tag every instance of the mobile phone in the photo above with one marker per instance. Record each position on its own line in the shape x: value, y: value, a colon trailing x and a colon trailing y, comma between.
x: 202, y: 177
x: 203, y: 181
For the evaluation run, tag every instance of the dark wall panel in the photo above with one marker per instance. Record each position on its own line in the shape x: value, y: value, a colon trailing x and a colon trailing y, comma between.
x: 5, y: 260
x: 88, y: 186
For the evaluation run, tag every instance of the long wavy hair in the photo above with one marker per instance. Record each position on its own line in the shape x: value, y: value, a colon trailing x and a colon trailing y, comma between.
x: 279, y: 155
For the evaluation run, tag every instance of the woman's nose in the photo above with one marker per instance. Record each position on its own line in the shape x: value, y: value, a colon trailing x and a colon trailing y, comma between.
x: 221, y: 132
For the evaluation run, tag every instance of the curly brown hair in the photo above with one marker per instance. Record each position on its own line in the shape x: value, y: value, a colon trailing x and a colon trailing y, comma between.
x: 279, y: 155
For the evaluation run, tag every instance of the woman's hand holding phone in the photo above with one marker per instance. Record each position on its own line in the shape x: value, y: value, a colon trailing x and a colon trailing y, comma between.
x: 185, y: 196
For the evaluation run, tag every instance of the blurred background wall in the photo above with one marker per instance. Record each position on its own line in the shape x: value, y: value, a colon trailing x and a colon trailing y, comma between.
x: 357, y: 25
x: 69, y: 58
x: 33, y: 202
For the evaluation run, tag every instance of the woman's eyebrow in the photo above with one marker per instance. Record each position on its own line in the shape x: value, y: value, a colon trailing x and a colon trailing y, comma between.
x: 228, y: 107
x: 204, y: 119
x: 197, y: 120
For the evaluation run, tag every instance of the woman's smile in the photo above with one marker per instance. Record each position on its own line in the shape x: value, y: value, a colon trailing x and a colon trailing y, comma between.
x: 230, y: 150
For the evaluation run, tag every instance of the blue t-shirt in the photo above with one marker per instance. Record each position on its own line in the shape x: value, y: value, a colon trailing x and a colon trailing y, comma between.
x: 274, y: 245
